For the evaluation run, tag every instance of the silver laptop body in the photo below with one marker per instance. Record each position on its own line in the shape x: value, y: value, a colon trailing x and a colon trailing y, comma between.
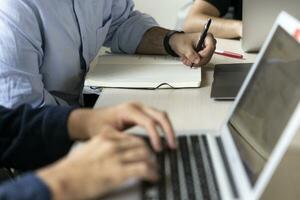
x: 238, y: 161
x: 258, y: 17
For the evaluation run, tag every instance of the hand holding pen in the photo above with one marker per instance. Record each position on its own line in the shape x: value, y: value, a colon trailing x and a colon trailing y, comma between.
x: 200, y: 46
x: 195, y: 52
x: 184, y: 46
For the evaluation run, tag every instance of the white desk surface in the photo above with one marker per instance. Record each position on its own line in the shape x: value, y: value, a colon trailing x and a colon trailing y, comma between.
x: 193, y: 109
x: 189, y: 109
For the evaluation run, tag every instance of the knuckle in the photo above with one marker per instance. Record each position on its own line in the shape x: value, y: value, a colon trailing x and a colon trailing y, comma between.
x: 100, y: 138
x: 144, y: 153
x: 141, y: 141
x: 189, y: 55
x: 111, y: 146
x: 125, y: 105
x: 150, y: 123
x: 133, y: 105
x: 138, y: 140
x: 164, y: 115
x: 129, y: 104
x: 144, y: 168
x: 105, y: 130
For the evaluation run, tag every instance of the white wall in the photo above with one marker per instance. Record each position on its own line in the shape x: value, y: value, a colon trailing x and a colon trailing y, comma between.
x: 164, y: 11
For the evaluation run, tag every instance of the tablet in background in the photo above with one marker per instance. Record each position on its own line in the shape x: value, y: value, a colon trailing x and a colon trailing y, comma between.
x: 228, y: 78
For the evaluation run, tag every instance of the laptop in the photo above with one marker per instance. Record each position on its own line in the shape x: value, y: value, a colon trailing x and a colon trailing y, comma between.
x: 228, y: 79
x: 258, y: 17
x: 238, y: 161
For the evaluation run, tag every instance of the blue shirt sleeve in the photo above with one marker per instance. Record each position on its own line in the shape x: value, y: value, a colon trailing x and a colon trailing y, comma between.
x: 127, y: 28
x: 27, y: 187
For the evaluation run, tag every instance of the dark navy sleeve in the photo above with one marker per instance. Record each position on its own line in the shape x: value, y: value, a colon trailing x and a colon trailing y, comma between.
x: 221, y: 5
x: 27, y: 187
x: 31, y: 138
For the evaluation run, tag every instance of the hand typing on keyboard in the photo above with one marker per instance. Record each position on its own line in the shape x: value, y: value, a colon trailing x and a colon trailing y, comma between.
x: 99, y: 166
x: 119, y: 118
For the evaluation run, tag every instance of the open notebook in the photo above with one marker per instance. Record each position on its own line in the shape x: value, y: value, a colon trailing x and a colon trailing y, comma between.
x: 135, y: 71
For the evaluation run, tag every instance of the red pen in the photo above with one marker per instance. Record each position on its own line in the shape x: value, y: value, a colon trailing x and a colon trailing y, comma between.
x: 229, y: 54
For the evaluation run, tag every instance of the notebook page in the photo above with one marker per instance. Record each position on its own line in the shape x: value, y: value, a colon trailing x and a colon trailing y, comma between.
x: 136, y: 59
x: 134, y: 71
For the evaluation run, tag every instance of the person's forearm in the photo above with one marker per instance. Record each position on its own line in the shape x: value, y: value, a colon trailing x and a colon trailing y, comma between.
x: 152, y: 42
x: 223, y: 28
x: 79, y: 124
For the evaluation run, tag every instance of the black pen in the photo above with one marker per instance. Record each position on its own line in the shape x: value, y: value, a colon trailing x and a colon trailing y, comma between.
x: 203, y: 35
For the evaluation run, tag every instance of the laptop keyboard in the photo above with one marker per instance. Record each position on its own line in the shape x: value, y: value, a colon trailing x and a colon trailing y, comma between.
x: 185, y: 173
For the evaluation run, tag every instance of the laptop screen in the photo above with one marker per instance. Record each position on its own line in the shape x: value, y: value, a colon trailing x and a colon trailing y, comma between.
x: 267, y: 104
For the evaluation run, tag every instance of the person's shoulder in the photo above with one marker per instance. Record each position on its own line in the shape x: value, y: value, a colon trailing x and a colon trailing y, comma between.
x: 18, y: 9
x: 20, y: 14
x: 23, y: 26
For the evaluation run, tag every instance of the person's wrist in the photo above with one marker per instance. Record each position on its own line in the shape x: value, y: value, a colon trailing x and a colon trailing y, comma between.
x: 170, y: 42
x: 173, y: 41
x: 56, y: 181
x: 78, y: 127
